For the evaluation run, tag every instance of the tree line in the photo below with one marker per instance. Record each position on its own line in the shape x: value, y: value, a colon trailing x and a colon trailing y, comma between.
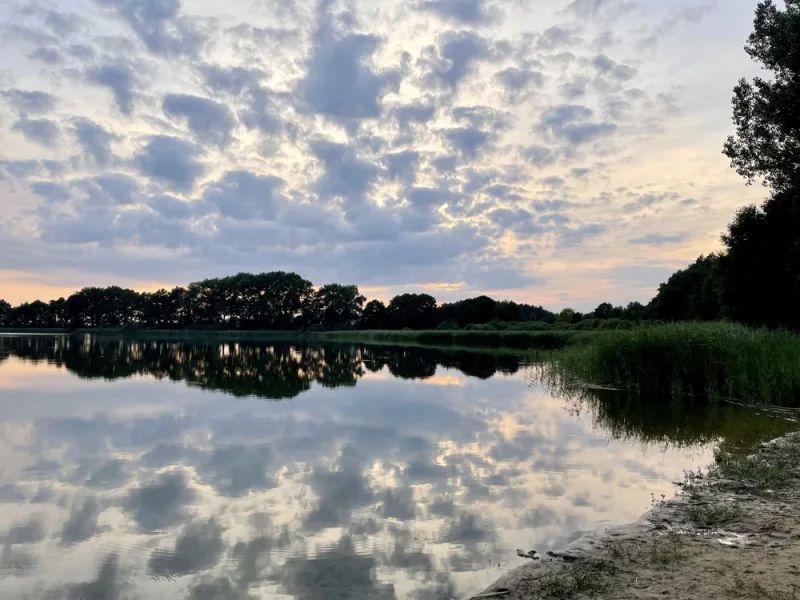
x: 268, y: 301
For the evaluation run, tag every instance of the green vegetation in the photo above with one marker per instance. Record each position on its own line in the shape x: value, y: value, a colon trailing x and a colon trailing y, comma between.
x: 587, y: 578
x: 712, y: 360
x: 765, y: 473
x: 524, y: 340
x: 713, y: 516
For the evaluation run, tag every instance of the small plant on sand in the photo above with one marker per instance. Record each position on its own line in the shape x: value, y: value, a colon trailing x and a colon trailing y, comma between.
x: 588, y: 578
x: 713, y: 516
x: 666, y: 552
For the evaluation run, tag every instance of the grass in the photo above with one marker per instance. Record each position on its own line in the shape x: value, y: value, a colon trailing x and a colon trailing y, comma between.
x: 588, y: 578
x: 712, y: 360
x: 769, y: 471
x: 713, y: 516
x: 523, y: 340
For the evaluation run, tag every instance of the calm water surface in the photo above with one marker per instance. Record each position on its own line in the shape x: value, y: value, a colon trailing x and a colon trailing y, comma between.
x: 214, y: 471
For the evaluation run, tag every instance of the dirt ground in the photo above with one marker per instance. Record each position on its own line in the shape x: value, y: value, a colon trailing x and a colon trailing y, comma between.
x: 733, y: 533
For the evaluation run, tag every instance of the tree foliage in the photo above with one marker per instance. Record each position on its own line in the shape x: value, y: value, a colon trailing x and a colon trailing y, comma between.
x: 766, y: 112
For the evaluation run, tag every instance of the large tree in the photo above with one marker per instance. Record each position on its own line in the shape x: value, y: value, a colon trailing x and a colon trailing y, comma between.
x: 760, y: 272
x: 337, y: 305
x: 766, y: 112
x: 412, y: 311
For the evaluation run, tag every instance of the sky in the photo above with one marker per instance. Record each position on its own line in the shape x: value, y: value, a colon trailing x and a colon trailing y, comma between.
x: 555, y: 152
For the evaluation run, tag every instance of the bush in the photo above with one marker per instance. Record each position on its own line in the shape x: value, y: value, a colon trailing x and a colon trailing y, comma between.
x: 448, y: 325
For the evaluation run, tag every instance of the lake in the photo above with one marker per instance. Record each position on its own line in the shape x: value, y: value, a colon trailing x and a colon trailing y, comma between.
x: 215, y: 471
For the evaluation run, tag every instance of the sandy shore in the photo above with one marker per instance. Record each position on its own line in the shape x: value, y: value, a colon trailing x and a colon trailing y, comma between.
x: 733, y: 532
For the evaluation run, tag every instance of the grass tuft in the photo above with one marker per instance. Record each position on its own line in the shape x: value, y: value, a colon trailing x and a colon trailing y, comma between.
x: 588, y: 578
x: 713, y: 516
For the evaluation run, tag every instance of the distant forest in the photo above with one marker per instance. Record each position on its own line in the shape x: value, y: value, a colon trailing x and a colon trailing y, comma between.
x: 754, y: 279
x: 268, y: 301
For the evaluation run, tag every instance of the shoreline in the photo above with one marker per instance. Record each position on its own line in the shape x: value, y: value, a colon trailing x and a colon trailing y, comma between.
x: 509, y: 341
x: 740, y: 519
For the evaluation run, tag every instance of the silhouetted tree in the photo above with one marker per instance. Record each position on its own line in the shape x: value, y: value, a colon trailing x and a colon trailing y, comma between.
x: 415, y: 311
x: 375, y: 315
x: 692, y: 294
x: 635, y: 311
x: 570, y: 316
x: 336, y: 305
x: 5, y: 308
x: 603, y: 311
x: 536, y: 313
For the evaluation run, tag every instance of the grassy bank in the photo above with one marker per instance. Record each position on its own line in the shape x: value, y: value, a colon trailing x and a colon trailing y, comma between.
x: 714, y: 360
x: 522, y: 340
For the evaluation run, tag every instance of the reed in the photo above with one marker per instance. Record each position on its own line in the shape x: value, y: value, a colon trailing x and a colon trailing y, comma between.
x: 712, y: 360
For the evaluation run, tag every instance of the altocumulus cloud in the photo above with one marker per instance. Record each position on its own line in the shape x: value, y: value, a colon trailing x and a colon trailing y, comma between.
x: 392, y: 144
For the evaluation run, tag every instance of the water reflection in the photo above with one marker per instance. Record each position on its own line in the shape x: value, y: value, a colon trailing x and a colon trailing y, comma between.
x: 397, y: 473
x: 270, y: 371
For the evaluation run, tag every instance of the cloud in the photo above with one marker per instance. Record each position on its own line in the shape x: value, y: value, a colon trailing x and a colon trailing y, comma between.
x: 557, y: 36
x: 242, y: 195
x: 109, y: 189
x: 658, y: 240
x: 585, y: 9
x: 453, y: 59
x: 62, y: 24
x: 210, y: 122
x: 49, y: 56
x: 234, y: 81
x: 40, y: 131
x: 402, y: 165
x: 606, y: 66
x: 463, y: 12
x: 553, y: 181
x: 51, y: 191
x: 571, y: 123
x: 119, y: 79
x: 518, y: 83
x: 467, y: 141
x: 576, y: 236
x: 160, y: 26
x: 95, y: 142
x: 170, y: 160
x: 172, y: 208
x: 539, y: 156
x: 644, y: 201
x: 21, y: 169
x: 339, y: 83
x: 345, y: 176
x: 27, y: 102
